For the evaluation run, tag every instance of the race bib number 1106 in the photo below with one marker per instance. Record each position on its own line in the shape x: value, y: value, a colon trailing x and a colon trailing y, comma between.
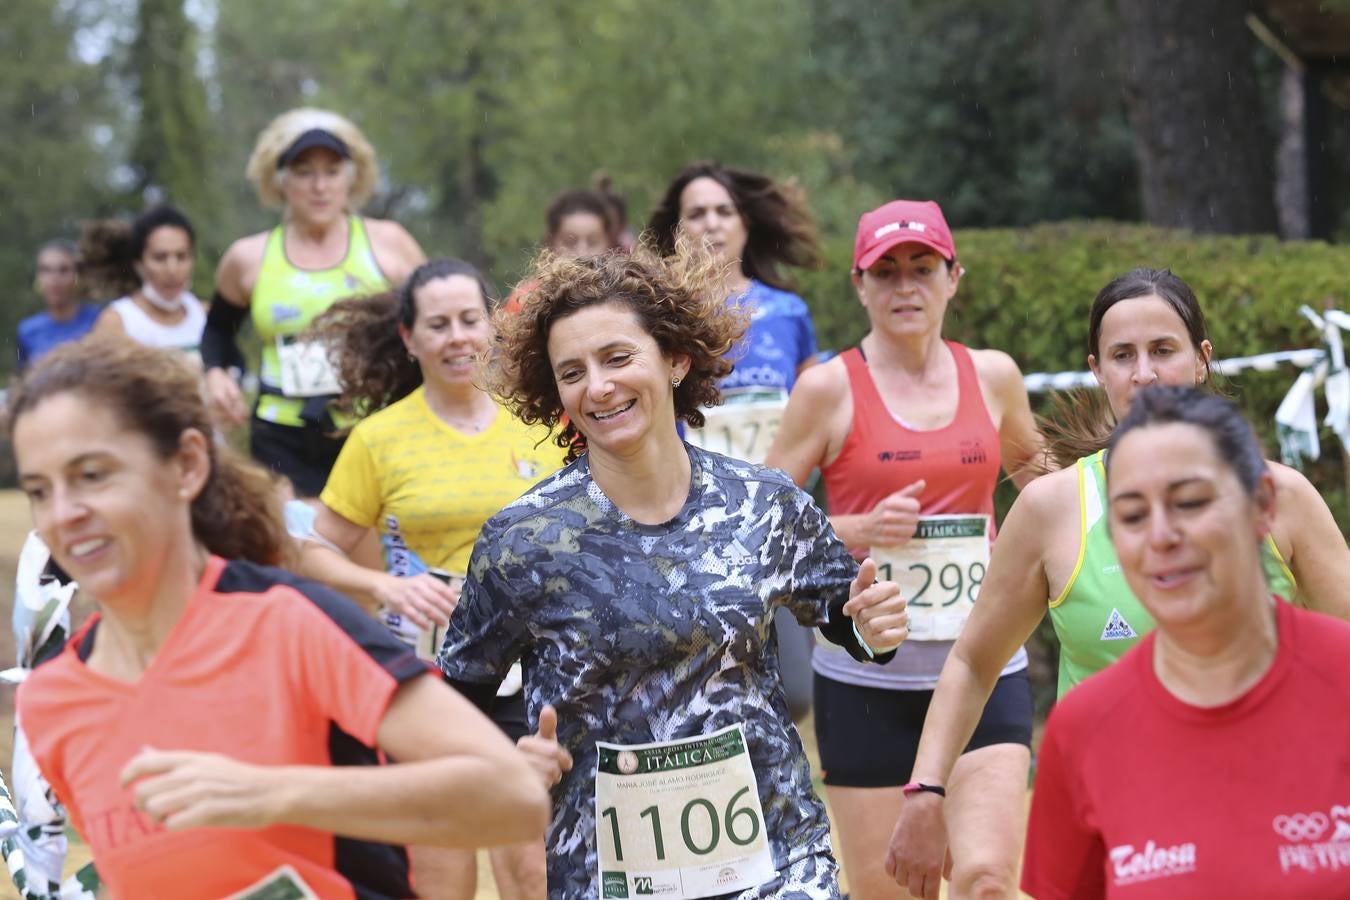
x: 680, y: 819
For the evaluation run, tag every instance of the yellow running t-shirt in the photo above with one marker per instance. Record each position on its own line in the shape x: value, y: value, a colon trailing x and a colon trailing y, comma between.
x: 427, y: 486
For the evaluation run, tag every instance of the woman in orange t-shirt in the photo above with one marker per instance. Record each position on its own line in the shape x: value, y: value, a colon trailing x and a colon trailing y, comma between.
x: 193, y: 727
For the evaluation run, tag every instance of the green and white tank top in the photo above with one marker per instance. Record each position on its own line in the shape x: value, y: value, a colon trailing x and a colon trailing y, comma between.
x: 1097, y: 616
x: 286, y: 299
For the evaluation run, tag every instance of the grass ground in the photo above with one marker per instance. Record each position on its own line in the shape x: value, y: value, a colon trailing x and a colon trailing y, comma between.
x: 14, y: 525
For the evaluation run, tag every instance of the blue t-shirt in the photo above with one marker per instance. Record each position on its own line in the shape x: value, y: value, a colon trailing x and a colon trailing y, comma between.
x: 781, y: 338
x: 40, y: 333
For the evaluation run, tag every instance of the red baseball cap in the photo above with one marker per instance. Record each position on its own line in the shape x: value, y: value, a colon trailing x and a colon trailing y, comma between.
x: 901, y: 222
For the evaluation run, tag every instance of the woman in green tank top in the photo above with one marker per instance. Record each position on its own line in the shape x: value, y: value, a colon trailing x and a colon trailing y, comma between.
x: 1146, y: 327
x: 319, y: 168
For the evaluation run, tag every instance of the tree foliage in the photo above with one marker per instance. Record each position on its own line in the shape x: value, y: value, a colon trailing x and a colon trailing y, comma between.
x: 482, y: 110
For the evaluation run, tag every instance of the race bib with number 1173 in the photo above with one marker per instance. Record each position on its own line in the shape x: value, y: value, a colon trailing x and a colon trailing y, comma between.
x: 743, y: 427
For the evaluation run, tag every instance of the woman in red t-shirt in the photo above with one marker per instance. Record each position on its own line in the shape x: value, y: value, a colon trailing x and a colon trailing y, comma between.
x: 1210, y: 760
x: 910, y: 431
x: 194, y: 726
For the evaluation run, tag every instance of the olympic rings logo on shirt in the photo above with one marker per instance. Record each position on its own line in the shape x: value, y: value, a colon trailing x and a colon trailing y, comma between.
x: 1301, y: 826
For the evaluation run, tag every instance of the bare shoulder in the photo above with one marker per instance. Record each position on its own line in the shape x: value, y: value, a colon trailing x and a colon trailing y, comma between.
x: 1291, y: 481
x: 109, y: 321
x: 996, y: 369
x: 239, y: 266
x: 822, y: 385
x: 388, y: 235
x: 1052, y: 495
x: 247, y: 250
x: 396, y: 250
x: 386, y: 230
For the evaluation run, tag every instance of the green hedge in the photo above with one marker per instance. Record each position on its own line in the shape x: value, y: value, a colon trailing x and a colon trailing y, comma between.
x: 1028, y: 291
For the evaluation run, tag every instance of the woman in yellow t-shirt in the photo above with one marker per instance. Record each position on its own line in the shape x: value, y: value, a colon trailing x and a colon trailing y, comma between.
x: 436, y: 461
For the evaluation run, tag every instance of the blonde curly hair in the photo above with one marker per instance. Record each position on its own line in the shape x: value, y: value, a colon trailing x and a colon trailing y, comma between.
x: 283, y: 131
x: 679, y: 301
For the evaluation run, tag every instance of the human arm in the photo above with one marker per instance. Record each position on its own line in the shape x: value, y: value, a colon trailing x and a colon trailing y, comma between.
x: 109, y: 323
x: 811, y: 431
x: 396, y: 251
x: 1020, y: 441
x: 235, y: 276
x: 825, y: 586
x: 549, y: 759
x: 1012, y: 601
x: 353, y: 500
x: 1313, y: 545
x: 424, y: 599
x: 470, y: 768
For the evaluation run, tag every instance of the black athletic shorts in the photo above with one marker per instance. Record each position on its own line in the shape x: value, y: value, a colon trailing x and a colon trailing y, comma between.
x: 868, y: 737
x: 305, y: 454
x: 509, y: 715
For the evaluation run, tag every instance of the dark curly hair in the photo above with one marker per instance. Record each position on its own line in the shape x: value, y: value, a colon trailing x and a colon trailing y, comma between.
x: 779, y: 228
x: 676, y: 299
x: 372, y: 364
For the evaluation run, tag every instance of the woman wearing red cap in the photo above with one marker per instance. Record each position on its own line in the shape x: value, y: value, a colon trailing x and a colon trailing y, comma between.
x: 319, y: 168
x: 910, y: 432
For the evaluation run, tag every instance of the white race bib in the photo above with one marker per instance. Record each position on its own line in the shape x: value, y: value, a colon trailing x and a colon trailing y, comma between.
x: 939, y: 571
x: 283, y: 884
x: 680, y: 819
x: 743, y: 427
x: 305, y: 369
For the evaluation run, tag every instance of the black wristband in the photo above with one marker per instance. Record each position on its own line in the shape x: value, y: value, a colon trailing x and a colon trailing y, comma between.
x: 223, y: 321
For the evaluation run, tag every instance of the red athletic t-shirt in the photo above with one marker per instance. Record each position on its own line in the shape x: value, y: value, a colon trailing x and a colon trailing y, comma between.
x: 1140, y: 796
x: 959, y: 462
x: 263, y: 667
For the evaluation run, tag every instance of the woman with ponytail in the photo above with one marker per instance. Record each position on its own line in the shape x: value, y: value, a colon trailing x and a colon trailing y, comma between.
x: 435, y: 457
x: 150, y: 262
x: 193, y: 725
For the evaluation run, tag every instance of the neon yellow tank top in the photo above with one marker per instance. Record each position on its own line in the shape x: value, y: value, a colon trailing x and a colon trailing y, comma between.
x: 286, y: 299
x: 1097, y: 617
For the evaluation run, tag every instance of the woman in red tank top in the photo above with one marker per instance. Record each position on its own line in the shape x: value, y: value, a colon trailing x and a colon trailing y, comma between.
x: 910, y: 432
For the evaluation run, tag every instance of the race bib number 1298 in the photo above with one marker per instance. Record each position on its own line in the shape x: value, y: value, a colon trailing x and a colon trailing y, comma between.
x: 939, y: 571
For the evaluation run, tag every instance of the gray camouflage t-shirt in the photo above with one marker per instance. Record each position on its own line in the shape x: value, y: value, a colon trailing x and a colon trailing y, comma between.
x: 639, y: 633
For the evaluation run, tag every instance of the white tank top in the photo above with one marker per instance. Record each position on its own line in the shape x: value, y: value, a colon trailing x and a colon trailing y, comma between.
x: 185, y: 335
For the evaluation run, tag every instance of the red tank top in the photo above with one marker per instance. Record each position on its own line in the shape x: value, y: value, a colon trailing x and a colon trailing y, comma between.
x: 959, y: 461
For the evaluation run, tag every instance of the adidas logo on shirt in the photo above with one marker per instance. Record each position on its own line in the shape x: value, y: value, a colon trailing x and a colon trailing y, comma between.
x: 1117, y: 629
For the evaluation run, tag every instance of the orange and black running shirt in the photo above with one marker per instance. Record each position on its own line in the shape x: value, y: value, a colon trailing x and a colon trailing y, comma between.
x: 263, y: 667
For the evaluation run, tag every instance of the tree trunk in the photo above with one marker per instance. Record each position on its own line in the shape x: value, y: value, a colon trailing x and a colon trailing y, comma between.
x: 1204, y: 151
x: 1292, y: 201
